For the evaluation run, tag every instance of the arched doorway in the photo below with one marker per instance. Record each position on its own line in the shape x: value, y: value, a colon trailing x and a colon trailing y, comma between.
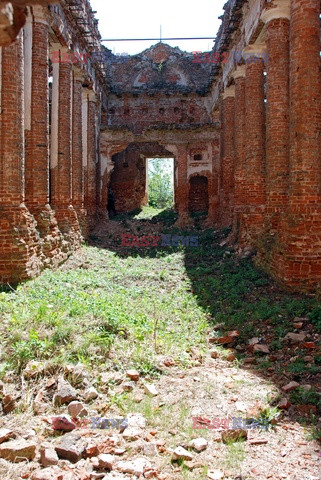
x: 129, y: 179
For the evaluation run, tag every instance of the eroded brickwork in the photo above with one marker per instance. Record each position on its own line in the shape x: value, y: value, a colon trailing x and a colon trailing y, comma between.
x: 276, y: 210
x: 13, y: 16
x: 19, y: 252
x: 242, y: 125
x: 42, y: 159
x: 253, y: 213
x: 198, y: 194
x: 227, y: 159
x: 239, y: 143
x: 161, y: 99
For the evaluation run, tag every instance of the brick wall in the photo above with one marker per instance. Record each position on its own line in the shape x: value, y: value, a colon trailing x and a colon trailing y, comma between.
x: 198, y: 194
x: 40, y: 179
x: 263, y: 176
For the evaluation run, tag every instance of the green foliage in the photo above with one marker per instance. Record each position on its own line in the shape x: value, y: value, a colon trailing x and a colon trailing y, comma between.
x: 314, y: 432
x: 31, y: 348
x: 315, y: 317
x: 160, y: 183
x: 305, y: 397
x: 299, y: 367
x: 115, y: 311
x: 269, y: 415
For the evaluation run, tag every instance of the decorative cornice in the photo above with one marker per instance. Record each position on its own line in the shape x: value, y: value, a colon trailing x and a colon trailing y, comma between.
x: 239, y: 72
x: 92, y: 96
x: 40, y: 14
x: 229, y: 92
x: 258, y: 50
x: 279, y: 9
x: 79, y: 74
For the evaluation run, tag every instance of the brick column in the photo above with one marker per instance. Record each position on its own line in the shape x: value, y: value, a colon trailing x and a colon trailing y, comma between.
x: 213, y: 180
x: 12, y: 183
x: 37, y: 133
x: 227, y: 158
x: 19, y: 240
x: 181, y: 187
x: 27, y: 56
x: 85, y: 142
x: 239, y: 142
x: 37, y: 144
x: 253, y: 216
x: 277, y: 19
x: 299, y: 260
x: 61, y: 165
x: 77, y: 149
x: 91, y: 205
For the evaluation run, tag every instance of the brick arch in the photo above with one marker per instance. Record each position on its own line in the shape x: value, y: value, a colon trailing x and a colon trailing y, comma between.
x: 128, y: 179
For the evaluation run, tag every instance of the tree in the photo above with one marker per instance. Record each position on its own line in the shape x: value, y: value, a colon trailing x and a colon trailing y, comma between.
x: 160, y: 182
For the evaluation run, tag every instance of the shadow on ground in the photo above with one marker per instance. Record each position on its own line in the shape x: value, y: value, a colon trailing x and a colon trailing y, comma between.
x: 239, y: 297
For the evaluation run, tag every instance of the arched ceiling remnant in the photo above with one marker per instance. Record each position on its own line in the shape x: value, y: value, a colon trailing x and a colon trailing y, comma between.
x: 160, y: 68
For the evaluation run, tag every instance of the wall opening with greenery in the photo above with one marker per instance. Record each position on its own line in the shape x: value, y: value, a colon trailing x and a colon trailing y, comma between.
x: 160, y: 182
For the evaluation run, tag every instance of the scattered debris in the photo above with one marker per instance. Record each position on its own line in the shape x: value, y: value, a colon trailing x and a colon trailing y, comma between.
x: 234, y: 435
x: 18, y: 450
x: 181, y: 454
x: 290, y: 386
x: 133, y: 375
x: 198, y: 444
x: 65, y: 393
x: 71, y: 447
x: 150, y: 389
x: 90, y: 394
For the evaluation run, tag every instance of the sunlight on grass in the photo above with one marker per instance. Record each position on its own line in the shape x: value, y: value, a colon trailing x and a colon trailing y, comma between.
x: 129, y: 310
x: 119, y: 307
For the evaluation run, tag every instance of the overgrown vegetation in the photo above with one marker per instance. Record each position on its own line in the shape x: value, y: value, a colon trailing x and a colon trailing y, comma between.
x: 125, y: 308
x: 107, y: 310
x: 306, y: 397
x: 160, y: 182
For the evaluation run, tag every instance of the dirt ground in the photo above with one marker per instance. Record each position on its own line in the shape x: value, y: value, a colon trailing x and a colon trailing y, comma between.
x: 215, y: 387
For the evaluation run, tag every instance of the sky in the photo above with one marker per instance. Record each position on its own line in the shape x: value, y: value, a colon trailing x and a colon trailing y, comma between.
x: 167, y: 165
x: 142, y: 19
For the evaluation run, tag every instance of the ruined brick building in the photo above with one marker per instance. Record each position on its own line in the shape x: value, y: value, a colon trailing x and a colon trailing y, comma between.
x: 241, y: 122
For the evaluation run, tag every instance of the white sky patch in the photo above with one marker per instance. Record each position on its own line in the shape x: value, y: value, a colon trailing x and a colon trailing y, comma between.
x: 142, y: 19
x: 166, y: 163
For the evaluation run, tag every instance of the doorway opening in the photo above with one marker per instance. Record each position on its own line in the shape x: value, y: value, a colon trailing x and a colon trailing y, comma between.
x: 160, y: 182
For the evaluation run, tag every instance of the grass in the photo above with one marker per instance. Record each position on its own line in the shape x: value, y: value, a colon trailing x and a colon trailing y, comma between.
x: 125, y: 309
x: 235, y: 455
x: 314, y: 432
x: 268, y: 416
x: 306, y: 397
x: 119, y: 311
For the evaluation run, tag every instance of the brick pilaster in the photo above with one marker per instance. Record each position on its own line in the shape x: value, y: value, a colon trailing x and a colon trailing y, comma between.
x: 37, y: 138
x: 63, y: 190
x: 61, y: 165
x: 182, y: 186
x: 77, y: 149
x: 91, y: 205
x: 12, y: 182
x: 37, y: 135
x: 85, y: 143
x: 239, y: 142
x: 227, y: 158
x: 212, y: 218
x: 19, y: 241
x: 277, y: 111
x: 299, y: 260
x: 253, y: 214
